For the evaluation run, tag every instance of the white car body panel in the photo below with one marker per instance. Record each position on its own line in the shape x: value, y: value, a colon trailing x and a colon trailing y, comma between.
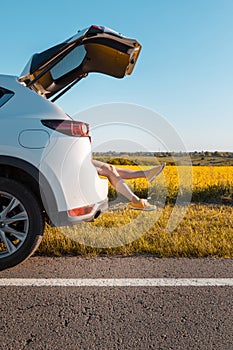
x: 64, y: 161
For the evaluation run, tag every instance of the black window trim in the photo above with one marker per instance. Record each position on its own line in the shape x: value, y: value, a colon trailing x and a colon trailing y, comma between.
x: 5, y: 95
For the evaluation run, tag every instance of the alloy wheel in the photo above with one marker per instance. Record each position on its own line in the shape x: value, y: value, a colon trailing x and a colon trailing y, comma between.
x: 14, y: 224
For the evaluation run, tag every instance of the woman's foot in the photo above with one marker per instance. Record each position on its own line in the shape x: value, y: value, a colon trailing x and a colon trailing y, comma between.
x: 143, y: 204
x: 154, y: 172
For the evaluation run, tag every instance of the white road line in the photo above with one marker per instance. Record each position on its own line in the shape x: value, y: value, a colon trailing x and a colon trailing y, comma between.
x: 116, y: 282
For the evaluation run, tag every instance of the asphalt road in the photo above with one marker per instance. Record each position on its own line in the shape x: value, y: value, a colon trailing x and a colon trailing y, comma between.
x: 160, y: 318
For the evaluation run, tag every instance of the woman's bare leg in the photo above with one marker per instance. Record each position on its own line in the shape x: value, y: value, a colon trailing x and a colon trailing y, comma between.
x: 130, y: 174
x: 134, y: 174
x: 115, y: 179
x: 149, y: 174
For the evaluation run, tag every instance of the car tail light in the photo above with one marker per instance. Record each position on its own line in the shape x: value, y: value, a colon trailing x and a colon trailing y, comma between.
x: 80, y: 211
x: 68, y: 127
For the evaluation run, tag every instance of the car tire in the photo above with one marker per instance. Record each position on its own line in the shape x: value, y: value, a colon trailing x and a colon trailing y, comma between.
x: 21, y: 223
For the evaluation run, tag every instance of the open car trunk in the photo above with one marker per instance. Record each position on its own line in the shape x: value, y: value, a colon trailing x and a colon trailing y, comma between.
x: 95, y: 49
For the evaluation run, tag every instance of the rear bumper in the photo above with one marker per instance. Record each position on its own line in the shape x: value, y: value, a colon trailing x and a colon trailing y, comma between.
x: 63, y: 219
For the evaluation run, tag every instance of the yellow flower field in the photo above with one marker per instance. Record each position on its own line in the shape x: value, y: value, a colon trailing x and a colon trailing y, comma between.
x: 205, y: 182
x: 203, y: 176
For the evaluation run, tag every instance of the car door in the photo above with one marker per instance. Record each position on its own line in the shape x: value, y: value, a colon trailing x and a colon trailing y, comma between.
x: 95, y: 49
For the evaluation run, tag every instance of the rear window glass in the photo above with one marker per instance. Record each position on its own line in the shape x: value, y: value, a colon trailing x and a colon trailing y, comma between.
x: 70, y: 62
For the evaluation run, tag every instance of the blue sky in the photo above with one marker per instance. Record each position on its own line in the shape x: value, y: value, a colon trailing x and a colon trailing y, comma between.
x: 184, y: 72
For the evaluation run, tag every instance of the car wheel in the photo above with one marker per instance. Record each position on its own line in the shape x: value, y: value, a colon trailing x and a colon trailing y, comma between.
x: 21, y: 223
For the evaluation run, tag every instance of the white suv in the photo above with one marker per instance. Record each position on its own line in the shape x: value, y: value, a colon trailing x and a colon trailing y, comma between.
x: 46, y: 169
